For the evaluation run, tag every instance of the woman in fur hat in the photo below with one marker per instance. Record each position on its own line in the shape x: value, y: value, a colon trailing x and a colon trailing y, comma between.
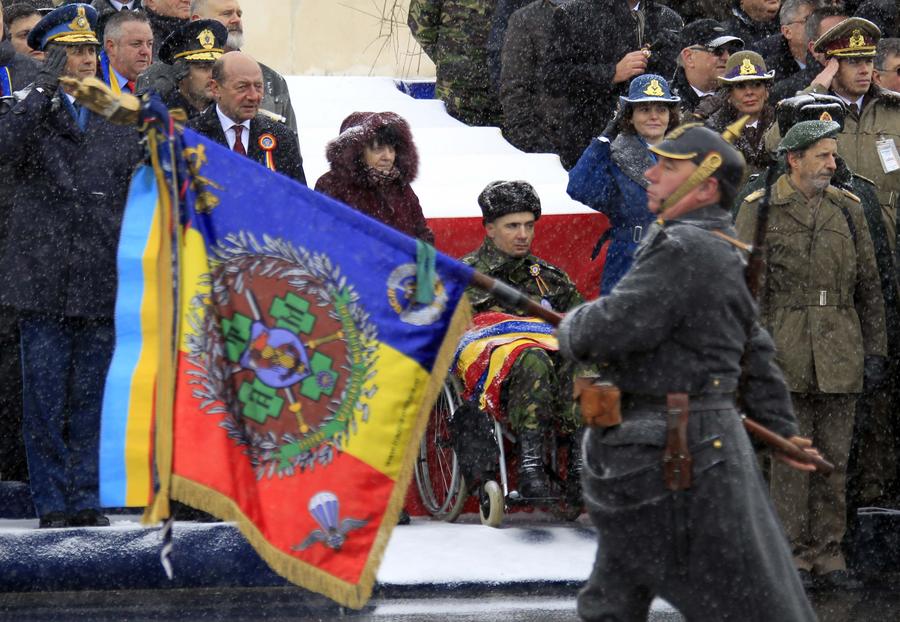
x: 373, y: 161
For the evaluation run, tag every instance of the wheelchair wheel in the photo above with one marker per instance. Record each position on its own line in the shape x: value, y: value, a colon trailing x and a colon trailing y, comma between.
x: 491, y: 504
x: 440, y: 483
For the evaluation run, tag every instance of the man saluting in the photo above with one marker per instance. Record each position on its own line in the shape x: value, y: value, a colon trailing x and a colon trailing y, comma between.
x: 674, y: 490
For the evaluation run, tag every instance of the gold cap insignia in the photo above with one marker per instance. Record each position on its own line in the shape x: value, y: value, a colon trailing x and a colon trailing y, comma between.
x: 207, y: 39
x: 825, y: 117
x: 748, y: 68
x: 81, y: 21
x: 857, y: 40
x: 654, y: 89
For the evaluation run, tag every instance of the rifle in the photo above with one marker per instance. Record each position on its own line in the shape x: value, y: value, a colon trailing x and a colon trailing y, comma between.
x: 512, y: 297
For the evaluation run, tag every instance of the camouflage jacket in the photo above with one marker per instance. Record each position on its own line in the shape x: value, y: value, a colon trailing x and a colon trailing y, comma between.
x: 533, y: 276
x: 454, y: 34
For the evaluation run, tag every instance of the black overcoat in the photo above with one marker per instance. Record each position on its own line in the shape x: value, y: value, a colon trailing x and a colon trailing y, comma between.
x: 66, y: 211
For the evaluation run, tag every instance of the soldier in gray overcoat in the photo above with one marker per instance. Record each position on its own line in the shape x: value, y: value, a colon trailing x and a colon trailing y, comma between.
x: 671, y: 336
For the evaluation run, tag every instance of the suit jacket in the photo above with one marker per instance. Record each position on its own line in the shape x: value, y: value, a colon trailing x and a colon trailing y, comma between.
x: 288, y: 160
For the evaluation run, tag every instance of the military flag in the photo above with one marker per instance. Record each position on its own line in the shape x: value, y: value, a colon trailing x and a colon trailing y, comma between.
x: 311, y: 343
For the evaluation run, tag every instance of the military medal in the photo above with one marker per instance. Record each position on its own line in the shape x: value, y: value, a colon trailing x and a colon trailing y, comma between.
x: 268, y: 143
x: 535, y: 271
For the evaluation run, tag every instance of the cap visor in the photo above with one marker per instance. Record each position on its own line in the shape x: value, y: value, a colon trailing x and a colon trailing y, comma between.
x: 719, y: 41
x: 648, y: 98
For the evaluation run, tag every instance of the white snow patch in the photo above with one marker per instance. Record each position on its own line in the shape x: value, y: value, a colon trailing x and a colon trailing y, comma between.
x: 456, y: 162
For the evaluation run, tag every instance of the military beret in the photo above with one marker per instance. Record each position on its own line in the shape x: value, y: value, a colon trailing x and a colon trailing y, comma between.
x: 743, y: 66
x: 201, y: 41
x: 500, y: 198
x: 853, y: 37
x: 807, y: 133
x: 809, y: 107
x: 70, y: 24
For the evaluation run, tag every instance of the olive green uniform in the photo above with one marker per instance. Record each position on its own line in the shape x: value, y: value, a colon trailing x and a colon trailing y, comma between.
x: 539, y: 386
x: 822, y: 304
x: 454, y: 34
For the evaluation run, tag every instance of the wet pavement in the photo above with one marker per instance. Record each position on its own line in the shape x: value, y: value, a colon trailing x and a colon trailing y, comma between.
x: 536, y: 603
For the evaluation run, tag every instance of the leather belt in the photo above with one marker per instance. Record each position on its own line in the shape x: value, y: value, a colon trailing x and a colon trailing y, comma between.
x: 698, y: 402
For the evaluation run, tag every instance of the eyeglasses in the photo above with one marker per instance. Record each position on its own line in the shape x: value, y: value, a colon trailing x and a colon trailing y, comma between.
x: 719, y: 51
x: 895, y: 70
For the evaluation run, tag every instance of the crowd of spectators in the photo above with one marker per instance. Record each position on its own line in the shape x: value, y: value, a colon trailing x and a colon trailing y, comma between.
x: 595, y: 81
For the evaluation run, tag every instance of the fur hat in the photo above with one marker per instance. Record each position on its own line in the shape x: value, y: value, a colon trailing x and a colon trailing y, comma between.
x: 500, y: 198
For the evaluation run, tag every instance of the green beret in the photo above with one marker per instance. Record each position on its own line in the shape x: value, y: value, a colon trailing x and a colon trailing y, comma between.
x: 807, y: 133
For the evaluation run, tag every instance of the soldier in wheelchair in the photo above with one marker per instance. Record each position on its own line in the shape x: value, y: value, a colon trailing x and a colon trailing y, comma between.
x: 508, y: 364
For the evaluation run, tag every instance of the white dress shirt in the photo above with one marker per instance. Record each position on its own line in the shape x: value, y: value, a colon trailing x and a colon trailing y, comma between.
x: 228, y: 128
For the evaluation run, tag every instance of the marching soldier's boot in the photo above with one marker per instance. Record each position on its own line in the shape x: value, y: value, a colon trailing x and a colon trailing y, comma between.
x: 533, y: 482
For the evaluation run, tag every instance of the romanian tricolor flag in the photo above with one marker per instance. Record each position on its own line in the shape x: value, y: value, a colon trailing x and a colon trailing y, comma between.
x: 294, y: 396
x: 488, y: 351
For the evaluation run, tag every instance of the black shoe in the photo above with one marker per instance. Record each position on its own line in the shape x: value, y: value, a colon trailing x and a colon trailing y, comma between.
x: 89, y: 518
x: 806, y: 578
x: 404, y: 518
x: 839, y: 580
x: 53, y: 520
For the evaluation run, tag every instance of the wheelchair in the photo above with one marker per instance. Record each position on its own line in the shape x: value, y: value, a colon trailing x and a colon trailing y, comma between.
x: 465, y: 452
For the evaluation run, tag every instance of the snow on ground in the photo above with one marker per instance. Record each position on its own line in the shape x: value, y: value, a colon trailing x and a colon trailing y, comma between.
x: 456, y: 161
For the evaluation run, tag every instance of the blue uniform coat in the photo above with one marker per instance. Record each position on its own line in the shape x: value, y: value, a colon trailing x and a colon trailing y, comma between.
x: 609, y: 178
x: 66, y: 211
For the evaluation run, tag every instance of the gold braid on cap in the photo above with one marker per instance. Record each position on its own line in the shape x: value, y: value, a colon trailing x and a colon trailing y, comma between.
x: 707, y: 167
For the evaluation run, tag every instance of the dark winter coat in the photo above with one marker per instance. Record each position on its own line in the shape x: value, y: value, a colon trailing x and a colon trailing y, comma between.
x: 798, y: 81
x: 751, y: 142
x: 610, y: 179
x: 690, y: 101
x: 277, y: 97
x: 105, y: 10
x: 288, y: 160
x: 162, y: 26
x: 682, y: 320
x: 66, y: 213
x: 884, y: 13
x: 499, y: 24
x: 393, y: 203
x: 777, y: 54
x: 589, y: 38
x: 22, y: 69
x: 530, y: 114
x: 740, y: 25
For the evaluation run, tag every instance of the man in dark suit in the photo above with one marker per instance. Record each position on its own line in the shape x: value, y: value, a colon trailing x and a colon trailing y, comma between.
x: 235, y: 121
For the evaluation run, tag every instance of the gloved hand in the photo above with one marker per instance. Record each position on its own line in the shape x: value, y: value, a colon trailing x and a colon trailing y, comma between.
x: 163, y: 78
x: 874, y: 372
x: 54, y: 64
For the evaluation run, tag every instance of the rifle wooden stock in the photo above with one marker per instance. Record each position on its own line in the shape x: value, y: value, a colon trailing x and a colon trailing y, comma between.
x: 518, y: 300
x: 779, y: 443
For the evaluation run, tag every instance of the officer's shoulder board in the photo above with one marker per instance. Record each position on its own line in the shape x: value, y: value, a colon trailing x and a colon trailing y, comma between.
x: 851, y: 195
x: 756, y: 195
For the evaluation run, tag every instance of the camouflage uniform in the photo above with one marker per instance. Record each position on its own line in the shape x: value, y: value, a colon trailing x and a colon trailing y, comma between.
x: 539, y: 385
x: 454, y: 34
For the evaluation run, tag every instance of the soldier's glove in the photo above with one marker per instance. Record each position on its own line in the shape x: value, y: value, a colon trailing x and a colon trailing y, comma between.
x: 874, y: 372
x: 54, y: 64
x: 162, y: 78
x: 180, y: 70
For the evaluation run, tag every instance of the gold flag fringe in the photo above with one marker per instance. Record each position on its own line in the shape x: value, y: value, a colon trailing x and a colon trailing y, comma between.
x: 295, y: 570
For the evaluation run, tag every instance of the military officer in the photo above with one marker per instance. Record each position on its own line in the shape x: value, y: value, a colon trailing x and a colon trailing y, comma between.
x: 192, y: 50
x: 870, y: 138
x: 822, y: 303
x: 538, y: 387
x: 671, y: 336
x: 59, y: 264
x: 454, y: 34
